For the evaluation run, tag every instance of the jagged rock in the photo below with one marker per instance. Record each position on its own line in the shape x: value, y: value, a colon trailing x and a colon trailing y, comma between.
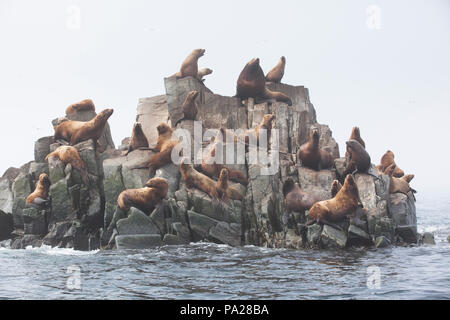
x: 201, y: 224
x: 6, y: 196
x: 171, y: 173
x: 382, y: 242
x: 381, y: 226
x: 227, y: 233
x: 61, y: 201
x: 42, y: 148
x: 317, y: 183
x: 6, y: 225
x: 182, y: 232
x: 428, y: 238
x: 138, y: 241
x: 136, y: 223
x: 56, y: 233
x: 36, y: 169
x: 26, y: 241
x: 293, y: 240
x: 333, y: 238
x: 135, y: 178
x: 375, y: 201
x: 313, y: 233
x: 403, y: 213
x: 112, y: 186
x: 87, y: 152
x: 150, y: 113
x: 21, y: 190
x: 35, y: 221
x: 172, y: 240
x: 56, y: 171
x: 357, y: 236
x: 340, y: 164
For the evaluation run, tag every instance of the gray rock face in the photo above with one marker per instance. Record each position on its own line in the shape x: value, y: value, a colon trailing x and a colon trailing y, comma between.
x: 403, y: 212
x: 42, y: 148
x: 150, y: 113
x: 382, y: 242
x: 137, y: 223
x: 35, y: 221
x: 317, y: 183
x: 313, y: 234
x: 6, y: 196
x: 138, y: 241
x: 333, y: 238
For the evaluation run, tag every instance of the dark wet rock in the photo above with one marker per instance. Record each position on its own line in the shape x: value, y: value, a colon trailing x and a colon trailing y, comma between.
x: 138, y: 241
x: 200, y: 224
x: 428, y: 238
x: 313, y: 233
x: 227, y: 233
x: 6, y: 196
x: 293, y: 240
x: 182, y: 232
x: 172, y: 240
x: 21, y: 190
x: 382, y: 242
x: 35, y: 221
x: 136, y: 223
x: 357, y: 236
x: 56, y: 233
x: 333, y: 238
x: 6, y: 225
x: 61, y: 201
x: 28, y: 240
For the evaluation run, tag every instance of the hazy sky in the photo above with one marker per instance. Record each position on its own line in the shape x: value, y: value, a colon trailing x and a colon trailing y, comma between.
x: 390, y: 76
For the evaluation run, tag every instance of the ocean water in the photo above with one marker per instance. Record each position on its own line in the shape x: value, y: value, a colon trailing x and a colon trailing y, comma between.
x: 211, y: 271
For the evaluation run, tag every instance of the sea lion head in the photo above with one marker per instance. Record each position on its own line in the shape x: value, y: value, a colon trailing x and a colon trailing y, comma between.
x: 137, y: 127
x: 356, y: 132
x: 335, y: 187
x: 44, y: 180
x: 199, y: 52
x: 205, y: 71
x: 288, y: 186
x: 224, y: 173
x: 350, y: 185
x: 192, y: 94
x: 409, y: 177
x: 253, y: 64
x: 104, y: 115
x: 267, y: 120
x: 315, y: 135
x: 283, y: 59
x: 390, y: 170
x: 160, y: 184
x: 185, y: 165
x: 353, y: 145
x: 163, y: 128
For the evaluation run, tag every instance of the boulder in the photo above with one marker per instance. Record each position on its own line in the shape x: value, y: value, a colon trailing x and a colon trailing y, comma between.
x: 28, y: 240
x: 138, y: 241
x: 317, y: 183
x: 182, y: 231
x: 403, y: 213
x: 136, y: 223
x: 42, y: 148
x: 382, y: 242
x: 35, y: 221
x: 21, y: 190
x: 61, y: 201
x: 6, y: 225
x: 227, y: 233
x: 150, y: 113
x: 313, y: 233
x: 333, y: 238
x: 56, y: 234
x: 357, y: 236
x: 172, y: 240
x: 200, y: 225
x: 6, y: 196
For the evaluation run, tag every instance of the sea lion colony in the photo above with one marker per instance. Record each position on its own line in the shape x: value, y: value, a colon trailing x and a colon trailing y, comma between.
x: 214, y: 178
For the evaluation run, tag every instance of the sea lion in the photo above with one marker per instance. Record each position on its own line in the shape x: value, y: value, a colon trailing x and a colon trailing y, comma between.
x: 84, y: 105
x: 252, y: 84
x: 336, y: 186
x: 41, y: 193
x: 387, y: 160
x: 334, y: 210
x: 189, y: 67
x: 312, y: 156
x: 400, y: 185
x: 68, y: 154
x: 224, y: 190
x: 144, y: 199
x: 213, y: 169
x: 358, y: 158
x: 138, y: 139
x: 193, y: 178
x: 190, y: 107
x: 266, y: 124
x: 202, y: 73
x: 295, y: 199
x: 78, y: 131
x: 356, y: 135
x: 277, y: 73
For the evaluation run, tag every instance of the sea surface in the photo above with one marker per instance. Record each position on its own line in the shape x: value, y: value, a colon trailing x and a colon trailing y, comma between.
x: 210, y: 271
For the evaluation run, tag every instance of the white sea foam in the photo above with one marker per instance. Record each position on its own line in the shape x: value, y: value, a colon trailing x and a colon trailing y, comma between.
x: 45, y: 249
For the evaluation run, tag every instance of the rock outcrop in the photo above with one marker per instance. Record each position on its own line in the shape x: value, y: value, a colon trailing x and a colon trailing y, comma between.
x: 86, y: 216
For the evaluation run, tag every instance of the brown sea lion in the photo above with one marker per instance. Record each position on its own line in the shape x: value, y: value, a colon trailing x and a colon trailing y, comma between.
x: 78, y: 131
x: 266, y: 124
x: 163, y: 149
x: 41, y: 193
x: 190, y: 107
x: 336, y: 186
x: 189, y: 67
x: 277, y: 73
x: 193, y: 178
x: 356, y: 135
x: 312, y: 156
x: 138, y: 140
x: 68, y: 154
x: 145, y: 199
x: 400, y: 185
x: 224, y: 190
x: 358, y: 159
x: 335, y: 210
x: 202, y: 73
x: 252, y: 84
x: 387, y: 160
x: 213, y: 169
x: 295, y: 198
x: 84, y: 105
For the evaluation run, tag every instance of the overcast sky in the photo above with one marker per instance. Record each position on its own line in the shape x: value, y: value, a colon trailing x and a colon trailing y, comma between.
x: 381, y: 65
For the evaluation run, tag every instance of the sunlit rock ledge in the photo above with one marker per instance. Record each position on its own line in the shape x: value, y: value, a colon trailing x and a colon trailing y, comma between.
x: 86, y: 217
